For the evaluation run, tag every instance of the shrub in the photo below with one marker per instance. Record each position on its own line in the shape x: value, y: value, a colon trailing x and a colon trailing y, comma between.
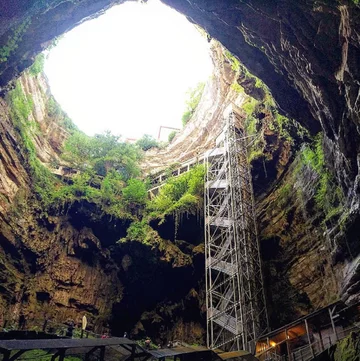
x: 137, y: 231
x: 328, y: 196
x: 235, y: 64
x: 180, y: 194
x: 194, y: 96
x: 38, y: 65
x: 135, y: 192
x: 172, y: 135
x: 186, y: 117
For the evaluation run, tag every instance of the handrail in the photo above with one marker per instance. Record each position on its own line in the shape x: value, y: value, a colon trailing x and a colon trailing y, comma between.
x: 51, y: 327
x: 309, y: 351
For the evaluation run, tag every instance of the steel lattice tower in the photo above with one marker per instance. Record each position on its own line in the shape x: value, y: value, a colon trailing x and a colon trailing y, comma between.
x: 236, y: 310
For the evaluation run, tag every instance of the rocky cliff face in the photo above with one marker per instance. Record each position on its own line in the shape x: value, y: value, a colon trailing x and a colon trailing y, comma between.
x: 64, y: 262
x: 39, y: 254
x: 307, y: 53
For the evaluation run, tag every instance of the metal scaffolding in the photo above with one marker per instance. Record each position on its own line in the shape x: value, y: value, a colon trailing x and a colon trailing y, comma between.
x: 235, y: 300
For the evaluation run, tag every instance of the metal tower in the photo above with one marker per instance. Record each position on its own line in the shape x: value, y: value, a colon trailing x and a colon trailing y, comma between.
x: 235, y: 300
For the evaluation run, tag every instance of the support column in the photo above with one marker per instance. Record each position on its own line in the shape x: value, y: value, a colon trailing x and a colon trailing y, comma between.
x: 287, y: 345
x: 60, y: 354
x: 6, y: 355
x: 308, y: 335
x: 133, y: 349
x: 87, y: 356
x: 102, y: 353
x: 18, y: 354
x: 333, y: 323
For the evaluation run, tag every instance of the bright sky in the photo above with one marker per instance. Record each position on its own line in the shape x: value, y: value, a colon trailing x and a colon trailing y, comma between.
x: 128, y: 71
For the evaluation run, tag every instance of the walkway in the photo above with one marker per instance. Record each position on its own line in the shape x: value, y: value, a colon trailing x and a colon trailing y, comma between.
x: 310, y: 335
x: 62, y: 345
x: 159, y: 180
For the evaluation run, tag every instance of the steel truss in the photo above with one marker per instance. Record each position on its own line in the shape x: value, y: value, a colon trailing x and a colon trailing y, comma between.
x: 236, y: 310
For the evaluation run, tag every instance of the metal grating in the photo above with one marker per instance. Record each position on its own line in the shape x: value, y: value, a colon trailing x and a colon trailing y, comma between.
x: 236, y: 310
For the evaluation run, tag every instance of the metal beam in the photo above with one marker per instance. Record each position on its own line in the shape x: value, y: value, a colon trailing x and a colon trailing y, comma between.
x: 60, y: 354
x: 102, y: 353
x: 89, y: 353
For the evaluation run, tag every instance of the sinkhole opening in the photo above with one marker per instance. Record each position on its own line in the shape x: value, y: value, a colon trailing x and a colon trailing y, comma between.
x: 129, y: 71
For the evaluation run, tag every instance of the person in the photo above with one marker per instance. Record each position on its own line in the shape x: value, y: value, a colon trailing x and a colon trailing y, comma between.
x: 125, y: 335
x: 147, y: 343
x: 45, y: 324
x: 105, y: 335
x: 22, y: 322
x: 170, y: 344
x: 70, y: 330
x: 159, y: 345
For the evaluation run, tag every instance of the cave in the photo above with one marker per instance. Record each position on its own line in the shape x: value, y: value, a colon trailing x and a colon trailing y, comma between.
x: 299, y: 62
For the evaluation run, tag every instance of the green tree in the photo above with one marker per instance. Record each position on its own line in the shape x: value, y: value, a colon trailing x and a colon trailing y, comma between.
x: 77, y: 150
x: 111, y: 187
x: 147, y: 142
x: 102, y: 153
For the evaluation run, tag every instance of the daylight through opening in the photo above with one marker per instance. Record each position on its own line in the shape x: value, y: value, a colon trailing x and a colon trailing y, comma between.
x: 129, y: 70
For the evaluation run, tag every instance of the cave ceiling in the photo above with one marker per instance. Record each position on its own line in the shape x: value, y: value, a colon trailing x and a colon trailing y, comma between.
x: 305, y: 51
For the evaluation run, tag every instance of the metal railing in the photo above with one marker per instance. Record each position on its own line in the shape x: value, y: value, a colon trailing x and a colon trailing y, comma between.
x: 51, y: 328
x: 309, y: 351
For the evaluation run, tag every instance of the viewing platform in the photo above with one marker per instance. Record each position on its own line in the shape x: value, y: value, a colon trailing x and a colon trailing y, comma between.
x: 60, y: 347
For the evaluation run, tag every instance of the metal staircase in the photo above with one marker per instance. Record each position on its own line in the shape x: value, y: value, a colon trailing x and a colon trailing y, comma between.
x: 234, y: 286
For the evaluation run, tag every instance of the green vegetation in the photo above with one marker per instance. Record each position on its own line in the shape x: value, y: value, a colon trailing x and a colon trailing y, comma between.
x: 138, y: 231
x: 179, y: 195
x: 241, y: 69
x: 194, y: 96
x: 237, y: 87
x: 147, y: 142
x: 102, y: 153
x: 105, y: 166
x: 235, y: 64
x: 264, y: 104
x: 43, y: 355
x: 182, y: 194
x: 21, y: 108
x: 328, y: 196
x: 54, y: 111
x: 14, y: 39
x: 347, y: 349
x: 135, y: 193
x: 249, y: 106
x: 107, y: 169
x: 314, y: 156
x: 172, y: 135
x: 38, y: 65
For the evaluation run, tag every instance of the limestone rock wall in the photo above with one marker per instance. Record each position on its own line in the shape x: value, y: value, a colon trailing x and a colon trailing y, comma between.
x: 64, y: 262
x: 306, y: 51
